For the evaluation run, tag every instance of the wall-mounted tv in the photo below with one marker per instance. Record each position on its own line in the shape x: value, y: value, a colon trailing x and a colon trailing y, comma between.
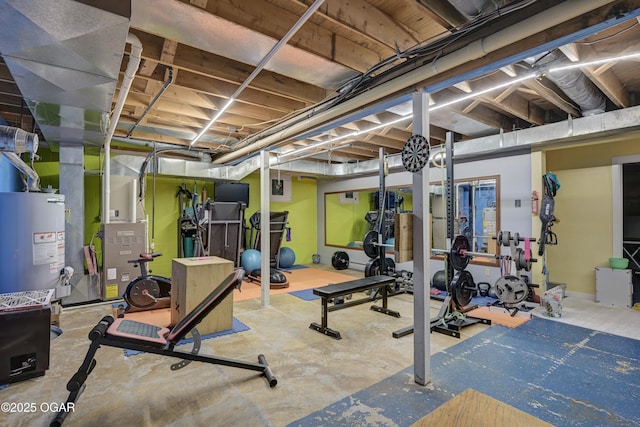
x: 231, y: 192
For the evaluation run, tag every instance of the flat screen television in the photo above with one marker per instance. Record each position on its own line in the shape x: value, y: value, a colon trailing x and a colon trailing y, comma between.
x: 231, y: 192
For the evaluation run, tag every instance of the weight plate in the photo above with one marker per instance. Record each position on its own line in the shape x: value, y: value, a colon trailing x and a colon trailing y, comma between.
x: 459, y: 260
x: 462, y: 288
x: 340, y: 260
x: 521, y: 262
x: 370, y: 244
x: 505, y: 238
x: 516, y: 238
x: 511, y: 289
x: 143, y: 293
x: 415, y: 153
x: 372, y: 268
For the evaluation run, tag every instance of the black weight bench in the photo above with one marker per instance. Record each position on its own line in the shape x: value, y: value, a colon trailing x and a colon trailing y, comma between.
x: 129, y: 334
x: 333, y: 291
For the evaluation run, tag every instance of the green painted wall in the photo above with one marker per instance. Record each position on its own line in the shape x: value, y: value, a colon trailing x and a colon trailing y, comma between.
x: 302, y: 209
x: 345, y: 222
x: 302, y: 214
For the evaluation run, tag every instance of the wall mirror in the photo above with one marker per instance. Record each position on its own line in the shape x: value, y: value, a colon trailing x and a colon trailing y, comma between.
x: 476, y: 214
x: 350, y: 215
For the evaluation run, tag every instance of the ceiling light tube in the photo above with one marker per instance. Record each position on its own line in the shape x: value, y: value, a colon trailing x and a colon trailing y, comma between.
x: 305, y: 16
x: 212, y: 121
x: 484, y: 91
x: 594, y: 62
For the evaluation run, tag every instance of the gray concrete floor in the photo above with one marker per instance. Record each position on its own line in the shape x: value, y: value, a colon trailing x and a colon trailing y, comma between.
x: 313, y: 370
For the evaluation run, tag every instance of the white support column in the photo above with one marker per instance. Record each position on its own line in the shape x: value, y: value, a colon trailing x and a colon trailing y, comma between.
x: 421, y: 251
x: 265, y: 227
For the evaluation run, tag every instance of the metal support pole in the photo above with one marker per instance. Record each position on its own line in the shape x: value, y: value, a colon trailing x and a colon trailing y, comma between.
x: 421, y: 252
x: 265, y: 228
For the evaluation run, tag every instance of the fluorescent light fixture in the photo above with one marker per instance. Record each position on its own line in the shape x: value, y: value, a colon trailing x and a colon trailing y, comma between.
x: 212, y: 121
x: 483, y: 91
x: 347, y: 135
x: 594, y: 62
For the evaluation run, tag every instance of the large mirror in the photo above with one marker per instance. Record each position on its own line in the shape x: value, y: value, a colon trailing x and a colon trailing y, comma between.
x: 350, y: 215
x: 476, y: 214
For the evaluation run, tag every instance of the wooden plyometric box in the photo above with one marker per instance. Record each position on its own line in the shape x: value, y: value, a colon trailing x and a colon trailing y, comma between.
x: 192, y: 280
x: 403, y: 242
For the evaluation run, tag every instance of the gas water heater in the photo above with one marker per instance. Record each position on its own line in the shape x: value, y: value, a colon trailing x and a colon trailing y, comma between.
x: 32, y: 236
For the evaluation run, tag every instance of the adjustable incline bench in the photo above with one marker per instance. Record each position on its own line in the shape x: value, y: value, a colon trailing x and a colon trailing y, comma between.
x: 345, y: 288
x: 128, y: 334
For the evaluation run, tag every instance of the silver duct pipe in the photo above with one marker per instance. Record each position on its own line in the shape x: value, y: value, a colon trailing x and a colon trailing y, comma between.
x: 179, y: 149
x: 585, y: 129
x: 33, y: 180
x: 129, y: 74
x: 17, y: 140
x: 14, y: 141
x: 576, y: 86
x: 500, y: 39
x: 474, y: 8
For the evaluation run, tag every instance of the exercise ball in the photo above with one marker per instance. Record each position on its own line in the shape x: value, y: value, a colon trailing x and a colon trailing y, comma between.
x: 438, y: 281
x: 250, y: 260
x: 391, y: 241
x: 287, y: 257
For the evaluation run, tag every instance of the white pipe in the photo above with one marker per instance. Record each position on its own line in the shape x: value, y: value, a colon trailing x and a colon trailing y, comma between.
x: 304, y: 18
x: 129, y: 74
x: 542, y: 21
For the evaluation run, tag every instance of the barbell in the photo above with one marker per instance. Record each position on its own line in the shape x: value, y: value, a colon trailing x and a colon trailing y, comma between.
x: 460, y: 255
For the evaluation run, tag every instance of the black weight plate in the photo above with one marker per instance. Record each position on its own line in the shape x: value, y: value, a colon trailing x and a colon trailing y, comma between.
x: 372, y: 268
x: 459, y: 261
x: 391, y: 266
x: 370, y: 244
x: 143, y: 293
x: 462, y: 288
x: 340, y: 260
x: 415, y: 153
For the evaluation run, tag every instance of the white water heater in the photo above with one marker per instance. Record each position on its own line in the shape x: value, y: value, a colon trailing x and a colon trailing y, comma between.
x: 32, y: 236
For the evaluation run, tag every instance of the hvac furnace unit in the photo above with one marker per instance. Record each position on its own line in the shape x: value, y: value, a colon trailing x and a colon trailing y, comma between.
x: 122, y: 242
x: 32, y: 252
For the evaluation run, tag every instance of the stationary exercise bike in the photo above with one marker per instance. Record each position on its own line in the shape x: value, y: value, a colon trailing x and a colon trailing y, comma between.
x: 146, y: 292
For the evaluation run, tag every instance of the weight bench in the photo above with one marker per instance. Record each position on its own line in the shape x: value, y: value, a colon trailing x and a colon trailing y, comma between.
x: 128, y: 334
x: 333, y: 291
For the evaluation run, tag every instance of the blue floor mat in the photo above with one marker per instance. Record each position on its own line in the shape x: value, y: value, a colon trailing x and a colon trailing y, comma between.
x: 305, y: 294
x: 562, y: 374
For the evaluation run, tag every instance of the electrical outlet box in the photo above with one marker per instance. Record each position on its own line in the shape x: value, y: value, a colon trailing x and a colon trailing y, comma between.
x: 487, y: 272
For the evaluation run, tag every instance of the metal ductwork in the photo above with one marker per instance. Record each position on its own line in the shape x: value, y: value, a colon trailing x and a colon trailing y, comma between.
x: 585, y: 129
x: 574, y: 83
x: 65, y: 57
x: 14, y: 141
x: 472, y: 9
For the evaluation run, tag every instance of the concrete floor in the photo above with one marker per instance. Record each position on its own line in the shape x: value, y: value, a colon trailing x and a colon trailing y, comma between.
x: 313, y: 370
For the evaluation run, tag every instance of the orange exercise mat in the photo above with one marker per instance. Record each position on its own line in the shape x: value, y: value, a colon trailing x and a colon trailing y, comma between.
x: 499, y: 316
x: 299, y: 279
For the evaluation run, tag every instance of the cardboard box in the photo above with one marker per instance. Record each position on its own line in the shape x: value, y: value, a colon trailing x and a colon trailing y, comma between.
x: 192, y: 280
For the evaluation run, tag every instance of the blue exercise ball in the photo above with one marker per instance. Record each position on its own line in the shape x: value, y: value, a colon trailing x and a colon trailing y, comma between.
x: 250, y: 260
x: 287, y: 257
x: 391, y: 241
